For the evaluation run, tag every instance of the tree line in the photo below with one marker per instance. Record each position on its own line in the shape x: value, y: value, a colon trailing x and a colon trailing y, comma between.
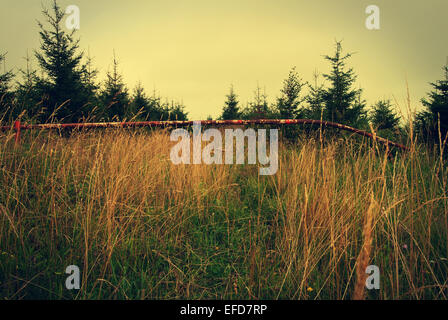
x: 65, y: 88
x: 340, y: 101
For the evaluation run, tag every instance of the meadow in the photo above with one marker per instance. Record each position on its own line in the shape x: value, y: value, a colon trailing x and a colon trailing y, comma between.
x: 140, y: 227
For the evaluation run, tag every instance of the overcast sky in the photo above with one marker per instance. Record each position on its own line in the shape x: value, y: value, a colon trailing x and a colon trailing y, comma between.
x: 192, y: 50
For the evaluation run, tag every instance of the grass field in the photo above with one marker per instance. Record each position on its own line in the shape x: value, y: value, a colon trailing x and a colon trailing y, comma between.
x: 139, y: 227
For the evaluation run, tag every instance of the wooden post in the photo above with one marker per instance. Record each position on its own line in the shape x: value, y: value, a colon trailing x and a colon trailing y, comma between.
x: 17, y: 129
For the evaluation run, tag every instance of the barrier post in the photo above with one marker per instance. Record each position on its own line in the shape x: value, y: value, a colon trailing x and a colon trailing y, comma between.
x: 17, y: 129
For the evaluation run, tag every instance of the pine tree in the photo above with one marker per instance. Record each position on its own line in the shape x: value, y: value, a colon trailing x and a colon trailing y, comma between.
x: 340, y: 99
x: 61, y: 63
x: 436, y: 109
x: 114, y: 96
x: 383, y: 116
x: 231, y: 109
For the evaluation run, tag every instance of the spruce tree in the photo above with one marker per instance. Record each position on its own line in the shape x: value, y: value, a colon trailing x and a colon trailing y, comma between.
x: 155, y: 108
x: 357, y: 115
x: 176, y: 111
x: 341, y: 104
x: 5, y: 90
x: 289, y: 102
x: 151, y: 108
x: 231, y: 109
x: 259, y: 107
x: 436, y: 109
x: 383, y: 117
x: 88, y: 77
x: 173, y: 111
x: 114, y: 96
x: 315, y: 99
x: 28, y: 93
x: 140, y: 103
x: 61, y: 63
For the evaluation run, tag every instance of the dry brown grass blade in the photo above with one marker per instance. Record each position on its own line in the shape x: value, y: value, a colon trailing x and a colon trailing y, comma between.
x: 364, y: 256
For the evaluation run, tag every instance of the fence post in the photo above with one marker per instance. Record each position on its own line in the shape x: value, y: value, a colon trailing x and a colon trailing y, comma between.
x: 17, y: 129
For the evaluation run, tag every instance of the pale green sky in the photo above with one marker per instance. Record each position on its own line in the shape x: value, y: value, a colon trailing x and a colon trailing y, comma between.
x: 193, y: 50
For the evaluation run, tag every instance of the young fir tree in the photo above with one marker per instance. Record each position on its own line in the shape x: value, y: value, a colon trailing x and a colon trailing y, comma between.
x: 289, y: 102
x: 114, y: 96
x: 177, y: 111
x: 259, y: 107
x: 231, y: 110
x: 28, y: 95
x: 173, y: 111
x: 315, y: 99
x: 140, y: 102
x: 155, y: 108
x: 383, y: 117
x: 339, y: 98
x: 5, y: 90
x: 357, y: 115
x: 61, y: 63
x: 436, y: 110
x: 88, y: 78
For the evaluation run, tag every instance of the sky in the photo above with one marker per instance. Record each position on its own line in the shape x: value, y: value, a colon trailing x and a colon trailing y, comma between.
x: 193, y: 50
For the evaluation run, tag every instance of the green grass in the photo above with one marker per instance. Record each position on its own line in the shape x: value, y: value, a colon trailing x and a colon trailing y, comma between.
x: 140, y: 227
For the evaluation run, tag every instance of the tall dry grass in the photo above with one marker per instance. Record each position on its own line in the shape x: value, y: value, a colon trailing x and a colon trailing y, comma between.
x: 140, y: 227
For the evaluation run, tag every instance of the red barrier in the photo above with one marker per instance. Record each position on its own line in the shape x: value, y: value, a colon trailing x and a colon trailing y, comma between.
x: 17, y: 126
